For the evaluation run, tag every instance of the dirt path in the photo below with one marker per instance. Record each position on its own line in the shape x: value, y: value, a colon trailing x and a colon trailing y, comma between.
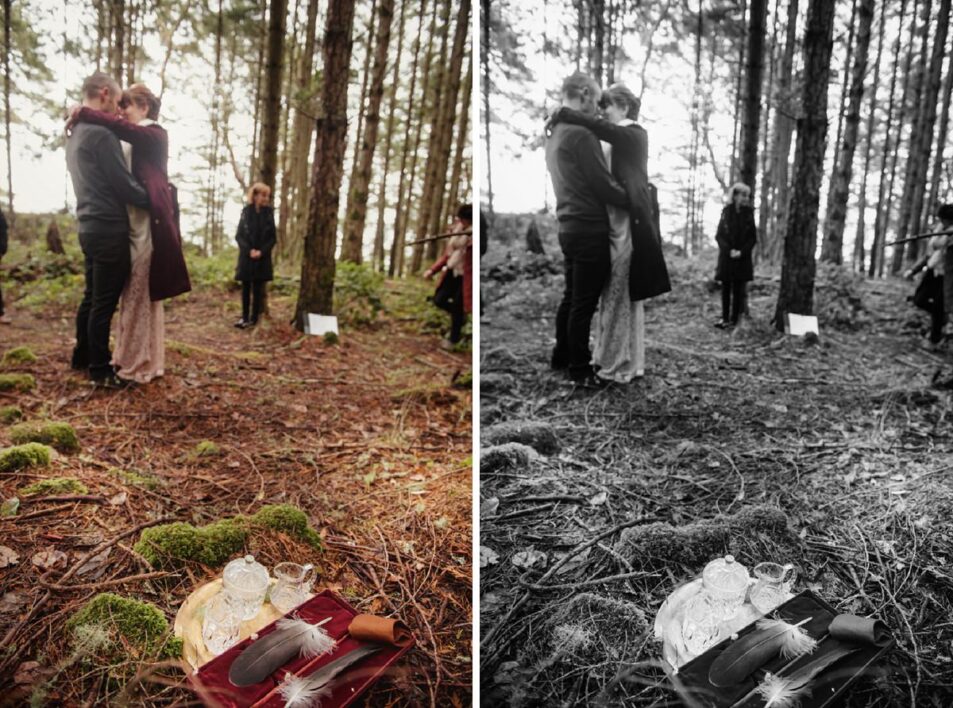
x: 369, y: 438
x: 844, y: 436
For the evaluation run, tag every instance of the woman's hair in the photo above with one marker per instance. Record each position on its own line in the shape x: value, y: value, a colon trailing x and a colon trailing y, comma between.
x: 144, y: 98
x: 465, y: 213
x: 738, y: 188
x: 945, y: 212
x: 620, y: 95
x: 257, y: 188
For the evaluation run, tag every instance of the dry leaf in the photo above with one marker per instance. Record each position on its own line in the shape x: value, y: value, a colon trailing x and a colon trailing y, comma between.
x: 8, y: 557
x: 50, y: 558
x: 95, y: 566
x: 573, y: 563
x: 488, y: 556
x: 31, y: 673
x: 11, y: 602
x: 528, y: 558
x: 118, y: 499
x: 598, y: 499
x: 489, y: 507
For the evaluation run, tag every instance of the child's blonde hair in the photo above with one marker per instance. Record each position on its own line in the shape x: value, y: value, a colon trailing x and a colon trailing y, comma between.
x: 257, y: 188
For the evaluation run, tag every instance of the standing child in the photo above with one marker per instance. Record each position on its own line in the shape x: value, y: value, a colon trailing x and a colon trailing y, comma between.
x: 736, y: 238
x: 4, y: 319
x: 256, y: 237
x: 454, y: 289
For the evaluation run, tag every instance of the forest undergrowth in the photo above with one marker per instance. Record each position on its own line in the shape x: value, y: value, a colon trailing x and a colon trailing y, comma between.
x: 832, y: 454
x: 369, y: 437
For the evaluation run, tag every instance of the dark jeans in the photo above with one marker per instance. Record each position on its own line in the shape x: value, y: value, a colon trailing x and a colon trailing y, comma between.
x: 449, y: 297
x: 253, y: 293
x: 929, y: 296
x: 1, y: 294
x: 107, y: 269
x: 733, y: 295
x: 588, y: 266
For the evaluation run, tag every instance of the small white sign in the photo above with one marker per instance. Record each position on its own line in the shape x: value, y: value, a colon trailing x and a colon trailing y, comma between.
x: 322, y: 324
x: 799, y: 325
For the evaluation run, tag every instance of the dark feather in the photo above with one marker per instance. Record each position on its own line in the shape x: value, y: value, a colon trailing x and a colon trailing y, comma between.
x: 262, y: 658
x: 749, y: 653
x: 307, y: 691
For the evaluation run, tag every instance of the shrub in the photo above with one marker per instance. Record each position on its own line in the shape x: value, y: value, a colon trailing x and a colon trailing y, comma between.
x: 358, y: 294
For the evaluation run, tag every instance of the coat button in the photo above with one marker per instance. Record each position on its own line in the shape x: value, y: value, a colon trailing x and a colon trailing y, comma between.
x: 157, y: 221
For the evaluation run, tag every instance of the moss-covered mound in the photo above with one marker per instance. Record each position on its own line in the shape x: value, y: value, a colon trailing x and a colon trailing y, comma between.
x: 506, y: 456
x: 10, y: 414
x: 59, y: 436
x: 56, y: 485
x: 136, y: 479
x: 171, y: 545
x: 20, y: 457
x: 17, y: 382
x: 134, y: 626
x: 660, y: 545
x: 206, y: 448
x: 18, y: 356
x: 539, y: 436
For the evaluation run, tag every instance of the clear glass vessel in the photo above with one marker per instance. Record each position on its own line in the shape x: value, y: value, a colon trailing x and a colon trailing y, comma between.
x: 726, y: 582
x: 292, y: 585
x: 220, y: 624
x: 245, y: 581
x: 772, y: 586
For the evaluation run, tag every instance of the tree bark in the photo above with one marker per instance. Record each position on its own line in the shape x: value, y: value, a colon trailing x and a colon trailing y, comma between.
x: 352, y: 247
x: 397, y: 244
x: 885, y: 189
x: 118, y: 12
x: 844, y: 86
x: 597, y: 14
x: 463, y: 139
x: 767, y: 189
x: 11, y: 215
x: 259, y: 71
x: 932, y: 202
x: 316, y: 294
x: 378, y: 254
x: 783, y: 131
x: 832, y: 249
x: 798, y: 267
x: 913, y: 149
x: 733, y: 170
x: 485, y: 58
x: 365, y: 77
x: 755, y: 72
x: 284, y: 208
x: 271, y: 106
x: 860, y: 236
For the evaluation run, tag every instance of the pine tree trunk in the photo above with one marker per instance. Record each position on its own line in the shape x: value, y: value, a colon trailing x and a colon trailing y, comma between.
x: 463, y: 139
x: 378, y: 257
x: 11, y: 215
x: 885, y: 190
x: 832, y: 249
x: 397, y: 243
x: 733, y: 170
x: 597, y: 13
x: 783, y: 131
x: 844, y: 88
x: 926, y: 126
x: 913, y: 152
x: 754, y: 74
x: 271, y: 106
x: 767, y: 171
x: 116, y: 59
x: 798, y: 267
x: 860, y: 236
x: 316, y: 294
x: 365, y: 77
x: 211, y: 242
x: 284, y: 206
x: 259, y: 67
x: 932, y: 202
x: 485, y: 58
x: 355, y: 219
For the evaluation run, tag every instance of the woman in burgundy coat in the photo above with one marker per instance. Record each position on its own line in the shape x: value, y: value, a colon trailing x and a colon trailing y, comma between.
x: 455, y: 290
x: 158, y: 265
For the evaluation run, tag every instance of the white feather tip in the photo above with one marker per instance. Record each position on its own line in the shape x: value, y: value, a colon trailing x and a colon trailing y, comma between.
x: 315, y: 641
x: 778, y: 692
x: 796, y: 641
x: 298, y: 693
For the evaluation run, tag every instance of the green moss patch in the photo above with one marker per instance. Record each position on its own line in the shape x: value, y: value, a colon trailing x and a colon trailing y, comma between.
x: 506, y: 456
x: 17, y: 382
x: 59, y: 436
x: 18, y: 356
x: 539, y: 436
x: 56, y: 485
x: 426, y: 394
x: 172, y: 545
x: 135, y: 625
x: 21, y: 457
x: 331, y: 338
x: 10, y: 414
x: 135, y: 478
x: 660, y: 545
x: 206, y: 448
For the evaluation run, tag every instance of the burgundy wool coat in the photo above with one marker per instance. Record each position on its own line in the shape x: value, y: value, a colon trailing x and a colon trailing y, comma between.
x: 168, y: 274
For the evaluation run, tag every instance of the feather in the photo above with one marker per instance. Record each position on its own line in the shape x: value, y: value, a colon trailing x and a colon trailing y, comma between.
x: 291, y: 637
x: 787, y: 691
x: 794, y: 643
x: 755, y: 649
x: 307, y: 692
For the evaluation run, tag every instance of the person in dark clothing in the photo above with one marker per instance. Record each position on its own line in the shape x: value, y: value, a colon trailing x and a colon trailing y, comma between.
x: 256, y: 238
x: 929, y: 295
x: 4, y: 318
x: 455, y: 289
x: 583, y: 187
x: 103, y: 187
x: 736, y: 237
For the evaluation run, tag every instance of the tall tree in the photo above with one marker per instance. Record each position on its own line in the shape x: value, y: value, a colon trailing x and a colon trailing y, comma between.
x: 752, y: 107
x: 932, y: 201
x: 832, y: 248
x: 798, y: 267
x: 365, y: 77
x: 844, y: 83
x: 6, y: 108
x: 352, y: 246
x: 860, y: 235
x: 316, y: 293
x: 271, y: 107
x: 463, y: 139
x: 117, y: 10
x: 485, y: 58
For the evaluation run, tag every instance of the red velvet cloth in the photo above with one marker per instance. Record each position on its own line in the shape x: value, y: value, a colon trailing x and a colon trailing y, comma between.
x: 211, y: 682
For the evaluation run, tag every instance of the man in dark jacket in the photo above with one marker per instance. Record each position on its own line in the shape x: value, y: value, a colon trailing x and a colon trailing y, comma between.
x: 583, y: 187
x: 4, y: 318
x: 103, y: 187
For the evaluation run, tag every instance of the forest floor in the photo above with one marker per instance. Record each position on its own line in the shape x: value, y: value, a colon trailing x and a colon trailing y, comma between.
x: 371, y: 438
x: 846, y: 436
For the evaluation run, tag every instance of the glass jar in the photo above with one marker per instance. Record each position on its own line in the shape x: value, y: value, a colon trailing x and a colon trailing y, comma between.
x: 701, y: 624
x: 220, y: 625
x: 726, y: 582
x: 292, y: 585
x: 772, y: 587
x: 245, y: 582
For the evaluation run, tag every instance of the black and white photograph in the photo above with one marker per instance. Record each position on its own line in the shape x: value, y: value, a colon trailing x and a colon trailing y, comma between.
x: 715, y: 371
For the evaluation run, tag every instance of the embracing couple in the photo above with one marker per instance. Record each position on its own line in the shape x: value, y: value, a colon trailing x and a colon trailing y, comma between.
x: 128, y: 222
x: 607, y: 230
